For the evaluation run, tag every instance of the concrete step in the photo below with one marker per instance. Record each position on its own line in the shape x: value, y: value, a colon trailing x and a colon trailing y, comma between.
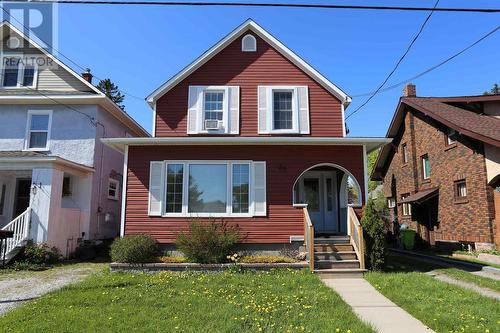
x: 333, y: 247
x: 335, y: 255
x: 340, y: 273
x: 327, y: 264
x: 332, y: 240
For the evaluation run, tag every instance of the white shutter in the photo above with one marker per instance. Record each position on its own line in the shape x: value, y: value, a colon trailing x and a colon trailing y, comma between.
x: 156, y: 181
x: 259, y: 188
x: 263, y: 109
x: 303, y: 102
x: 234, y: 110
x: 193, y: 109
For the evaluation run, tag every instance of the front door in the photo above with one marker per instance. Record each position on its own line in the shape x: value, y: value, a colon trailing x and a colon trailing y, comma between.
x: 22, y: 199
x: 318, y: 190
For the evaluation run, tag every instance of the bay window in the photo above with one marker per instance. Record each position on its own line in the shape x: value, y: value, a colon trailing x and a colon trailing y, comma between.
x: 207, y: 188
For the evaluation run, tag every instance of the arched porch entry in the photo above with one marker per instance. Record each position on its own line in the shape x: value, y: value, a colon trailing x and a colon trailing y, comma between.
x: 327, y: 189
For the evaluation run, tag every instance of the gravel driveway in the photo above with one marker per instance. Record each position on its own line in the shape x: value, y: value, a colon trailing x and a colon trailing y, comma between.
x: 17, y: 288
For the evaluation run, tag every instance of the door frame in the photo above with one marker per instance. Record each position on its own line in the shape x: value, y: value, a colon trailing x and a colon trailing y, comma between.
x: 329, y: 220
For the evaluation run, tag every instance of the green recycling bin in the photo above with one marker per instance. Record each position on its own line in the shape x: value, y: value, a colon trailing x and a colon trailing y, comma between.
x: 408, y: 238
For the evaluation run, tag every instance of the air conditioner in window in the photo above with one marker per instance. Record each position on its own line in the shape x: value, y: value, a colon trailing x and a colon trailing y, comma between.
x: 212, y: 124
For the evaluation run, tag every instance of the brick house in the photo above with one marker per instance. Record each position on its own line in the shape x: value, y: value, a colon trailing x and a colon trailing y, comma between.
x: 252, y: 134
x: 441, y: 174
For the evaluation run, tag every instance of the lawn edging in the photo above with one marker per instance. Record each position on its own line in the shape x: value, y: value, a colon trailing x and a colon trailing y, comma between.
x: 156, y: 267
x: 439, y: 260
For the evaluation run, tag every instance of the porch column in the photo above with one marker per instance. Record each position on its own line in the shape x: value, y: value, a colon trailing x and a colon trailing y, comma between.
x: 45, y: 201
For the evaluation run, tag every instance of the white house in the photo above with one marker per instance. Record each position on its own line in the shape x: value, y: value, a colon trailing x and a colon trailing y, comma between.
x: 58, y: 183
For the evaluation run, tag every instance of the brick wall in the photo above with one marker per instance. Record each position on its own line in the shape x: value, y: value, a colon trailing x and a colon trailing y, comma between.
x: 469, y: 219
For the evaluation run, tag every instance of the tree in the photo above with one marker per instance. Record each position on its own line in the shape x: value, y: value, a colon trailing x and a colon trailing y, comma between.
x: 493, y: 91
x: 111, y: 90
x: 372, y: 158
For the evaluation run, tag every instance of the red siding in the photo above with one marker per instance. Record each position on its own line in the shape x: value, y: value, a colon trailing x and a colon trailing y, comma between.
x: 248, y: 70
x: 284, y: 166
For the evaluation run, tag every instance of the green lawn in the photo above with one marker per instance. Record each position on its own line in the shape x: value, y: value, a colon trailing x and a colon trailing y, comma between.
x: 439, y: 305
x: 468, y: 277
x: 278, y: 301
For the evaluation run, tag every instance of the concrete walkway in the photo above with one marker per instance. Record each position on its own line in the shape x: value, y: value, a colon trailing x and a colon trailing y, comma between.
x: 464, y: 284
x: 374, y: 308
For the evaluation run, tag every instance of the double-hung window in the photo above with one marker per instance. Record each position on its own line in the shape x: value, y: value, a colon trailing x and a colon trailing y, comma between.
x: 451, y: 136
x: 113, y: 189
x: 17, y: 74
x: 209, y: 188
x: 283, y: 110
x: 38, y: 130
x: 213, y: 109
x: 460, y: 188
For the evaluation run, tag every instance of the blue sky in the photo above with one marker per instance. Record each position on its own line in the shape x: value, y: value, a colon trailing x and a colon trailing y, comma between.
x: 139, y: 48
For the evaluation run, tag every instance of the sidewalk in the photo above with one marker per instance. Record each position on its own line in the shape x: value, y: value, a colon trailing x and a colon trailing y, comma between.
x: 374, y: 308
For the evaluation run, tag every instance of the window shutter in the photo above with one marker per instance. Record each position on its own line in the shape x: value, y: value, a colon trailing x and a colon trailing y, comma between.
x: 193, y: 107
x: 234, y: 110
x: 303, y: 96
x: 262, y: 109
x: 156, y: 181
x: 259, y: 188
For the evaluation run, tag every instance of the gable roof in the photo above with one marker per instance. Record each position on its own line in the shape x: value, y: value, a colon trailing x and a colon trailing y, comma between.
x: 475, y: 125
x: 61, y: 97
x: 231, y: 37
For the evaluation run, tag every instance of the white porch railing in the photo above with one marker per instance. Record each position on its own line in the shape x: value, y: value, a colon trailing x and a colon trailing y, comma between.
x: 20, y: 226
x: 355, y: 230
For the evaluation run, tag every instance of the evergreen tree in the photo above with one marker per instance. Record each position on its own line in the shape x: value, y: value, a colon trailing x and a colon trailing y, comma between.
x: 111, y: 90
x: 374, y: 232
x: 493, y: 91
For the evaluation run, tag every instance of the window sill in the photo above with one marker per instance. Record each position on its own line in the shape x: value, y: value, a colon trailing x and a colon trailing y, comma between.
x: 114, y: 199
x: 404, y: 165
x: 41, y: 150
x: 459, y: 201
x: 425, y: 181
x: 448, y: 147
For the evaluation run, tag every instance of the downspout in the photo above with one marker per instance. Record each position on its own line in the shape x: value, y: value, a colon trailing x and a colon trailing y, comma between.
x: 99, y: 188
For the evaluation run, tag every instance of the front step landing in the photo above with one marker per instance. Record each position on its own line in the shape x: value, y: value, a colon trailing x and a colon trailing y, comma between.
x: 340, y: 273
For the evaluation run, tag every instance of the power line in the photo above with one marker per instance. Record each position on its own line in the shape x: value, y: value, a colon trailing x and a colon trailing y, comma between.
x: 397, y: 63
x: 430, y: 69
x: 62, y: 54
x: 261, y: 4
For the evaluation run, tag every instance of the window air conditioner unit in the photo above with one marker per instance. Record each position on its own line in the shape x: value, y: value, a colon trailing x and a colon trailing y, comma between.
x: 212, y: 125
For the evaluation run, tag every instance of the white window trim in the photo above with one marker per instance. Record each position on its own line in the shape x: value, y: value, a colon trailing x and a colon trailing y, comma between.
x: 449, y: 133
x: 391, y: 202
x: 28, y: 130
x: 20, y: 74
x: 225, y: 111
x: 229, y: 192
x: 406, y: 211
x: 252, y: 49
x: 117, y: 191
x: 295, y: 110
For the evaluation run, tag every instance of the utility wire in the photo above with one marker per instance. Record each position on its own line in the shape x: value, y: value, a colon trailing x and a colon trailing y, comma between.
x: 430, y: 69
x: 62, y: 54
x: 260, y: 4
x: 397, y: 63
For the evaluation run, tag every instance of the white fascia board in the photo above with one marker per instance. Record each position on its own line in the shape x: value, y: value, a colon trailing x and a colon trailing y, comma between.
x: 120, y: 143
x: 280, y: 47
x: 37, y: 161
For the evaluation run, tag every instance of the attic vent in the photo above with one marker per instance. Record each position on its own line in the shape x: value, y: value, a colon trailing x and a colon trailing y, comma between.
x: 249, y: 44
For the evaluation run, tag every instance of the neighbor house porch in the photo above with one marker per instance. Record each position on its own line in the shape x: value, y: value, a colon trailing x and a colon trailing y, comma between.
x: 43, y: 199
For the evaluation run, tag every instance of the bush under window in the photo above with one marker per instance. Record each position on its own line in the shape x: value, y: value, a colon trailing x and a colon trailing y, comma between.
x: 134, y: 249
x: 209, y: 242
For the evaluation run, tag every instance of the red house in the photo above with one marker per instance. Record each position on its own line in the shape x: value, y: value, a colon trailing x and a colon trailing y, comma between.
x: 248, y: 132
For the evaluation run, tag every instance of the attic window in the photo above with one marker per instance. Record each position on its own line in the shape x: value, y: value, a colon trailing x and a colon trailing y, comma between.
x: 249, y: 44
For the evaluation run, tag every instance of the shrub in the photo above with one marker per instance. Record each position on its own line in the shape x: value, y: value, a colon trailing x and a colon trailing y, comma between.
x: 266, y: 259
x: 374, y: 232
x: 209, y: 242
x: 134, y: 249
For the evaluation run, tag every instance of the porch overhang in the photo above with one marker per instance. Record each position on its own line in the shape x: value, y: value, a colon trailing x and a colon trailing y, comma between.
x: 371, y: 143
x: 421, y: 196
x: 27, y: 160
